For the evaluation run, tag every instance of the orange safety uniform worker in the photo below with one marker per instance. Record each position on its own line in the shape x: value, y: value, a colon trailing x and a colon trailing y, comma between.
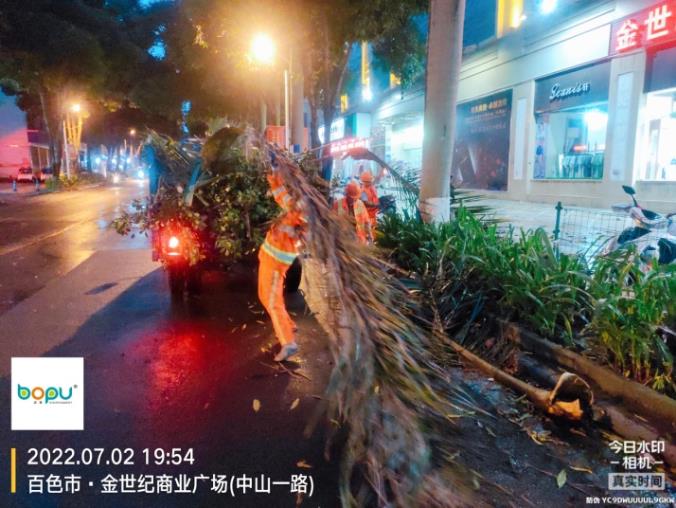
x: 275, y: 256
x: 369, y: 195
x: 352, y: 206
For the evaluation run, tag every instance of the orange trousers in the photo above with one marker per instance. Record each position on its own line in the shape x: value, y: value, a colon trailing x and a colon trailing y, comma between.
x: 271, y: 274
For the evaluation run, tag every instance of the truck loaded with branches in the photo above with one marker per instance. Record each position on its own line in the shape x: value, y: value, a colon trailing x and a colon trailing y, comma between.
x: 208, y: 207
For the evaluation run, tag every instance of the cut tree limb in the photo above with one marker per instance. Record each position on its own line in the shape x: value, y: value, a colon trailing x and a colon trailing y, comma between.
x: 547, y: 401
x: 603, y: 412
x: 636, y: 396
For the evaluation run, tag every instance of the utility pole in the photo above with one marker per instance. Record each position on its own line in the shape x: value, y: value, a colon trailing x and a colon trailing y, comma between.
x: 297, y: 104
x: 66, y: 155
x: 444, y: 60
x: 263, y: 115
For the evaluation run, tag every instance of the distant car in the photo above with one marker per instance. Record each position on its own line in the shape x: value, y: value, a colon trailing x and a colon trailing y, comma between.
x: 25, y: 175
x: 46, y: 173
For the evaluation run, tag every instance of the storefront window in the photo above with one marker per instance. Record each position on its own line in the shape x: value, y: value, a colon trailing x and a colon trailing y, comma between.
x: 571, y: 120
x: 570, y: 143
x: 659, y: 157
x: 407, y: 141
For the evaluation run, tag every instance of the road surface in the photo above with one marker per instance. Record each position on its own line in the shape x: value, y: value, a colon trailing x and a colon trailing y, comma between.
x: 157, y: 375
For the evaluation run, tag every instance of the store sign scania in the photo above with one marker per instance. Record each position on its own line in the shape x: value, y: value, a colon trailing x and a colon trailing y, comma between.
x: 578, y: 87
x: 643, y: 29
x: 559, y: 92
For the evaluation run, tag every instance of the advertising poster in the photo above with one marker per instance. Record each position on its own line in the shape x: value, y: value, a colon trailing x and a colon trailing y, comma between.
x: 481, y: 157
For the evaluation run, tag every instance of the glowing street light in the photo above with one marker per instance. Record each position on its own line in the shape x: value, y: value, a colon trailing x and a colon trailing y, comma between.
x: 548, y: 6
x: 132, y: 132
x: 263, y: 49
x: 72, y: 134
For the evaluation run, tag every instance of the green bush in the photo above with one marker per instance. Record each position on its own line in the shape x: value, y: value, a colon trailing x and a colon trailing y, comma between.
x: 474, y: 271
x: 628, y: 309
x: 73, y: 182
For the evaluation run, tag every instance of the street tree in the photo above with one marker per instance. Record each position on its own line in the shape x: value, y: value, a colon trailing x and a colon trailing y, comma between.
x: 331, y: 30
x: 59, y: 51
x: 444, y: 59
x: 210, y: 45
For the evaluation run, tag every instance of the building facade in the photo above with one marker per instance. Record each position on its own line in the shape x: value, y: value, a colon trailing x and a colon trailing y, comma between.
x: 566, y: 103
x: 14, y: 147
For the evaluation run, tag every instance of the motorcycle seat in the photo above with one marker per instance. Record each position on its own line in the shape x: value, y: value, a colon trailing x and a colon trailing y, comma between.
x: 650, y: 215
x: 667, y: 251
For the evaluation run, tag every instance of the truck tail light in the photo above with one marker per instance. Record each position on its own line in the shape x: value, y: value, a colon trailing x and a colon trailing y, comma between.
x: 173, y: 242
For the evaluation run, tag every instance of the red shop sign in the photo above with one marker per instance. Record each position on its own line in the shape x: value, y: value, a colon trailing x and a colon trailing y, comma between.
x: 654, y: 25
x: 345, y: 145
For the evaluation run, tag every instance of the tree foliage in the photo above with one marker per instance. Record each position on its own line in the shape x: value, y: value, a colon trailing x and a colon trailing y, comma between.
x: 57, y: 51
x: 209, y: 43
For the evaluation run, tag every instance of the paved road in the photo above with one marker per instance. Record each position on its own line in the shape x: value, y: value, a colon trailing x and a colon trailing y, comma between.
x: 44, y: 237
x: 157, y: 374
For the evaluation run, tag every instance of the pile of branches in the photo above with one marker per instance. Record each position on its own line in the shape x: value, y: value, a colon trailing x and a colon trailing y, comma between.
x: 386, y: 390
x: 384, y: 386
x: 216, y: 192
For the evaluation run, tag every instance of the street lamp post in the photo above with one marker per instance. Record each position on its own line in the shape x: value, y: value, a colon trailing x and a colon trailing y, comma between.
x: 263, y: 50
x: 129, y: 149
x: 72, y: 134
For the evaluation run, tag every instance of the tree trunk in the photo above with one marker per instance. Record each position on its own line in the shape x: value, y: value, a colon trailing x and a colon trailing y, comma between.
x: 331, y: 85
x: 444, y: 59
x: 638, y: 397
x: 315, y: 142
x: 53, y: 128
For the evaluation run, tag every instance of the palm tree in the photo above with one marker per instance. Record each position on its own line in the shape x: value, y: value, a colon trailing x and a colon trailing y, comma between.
x: 444, y: 59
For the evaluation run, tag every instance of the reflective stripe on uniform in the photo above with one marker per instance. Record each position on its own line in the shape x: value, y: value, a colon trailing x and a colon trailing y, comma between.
x: 280, y: 255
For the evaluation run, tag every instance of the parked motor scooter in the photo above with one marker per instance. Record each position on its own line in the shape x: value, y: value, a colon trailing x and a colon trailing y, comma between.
x: 653, y: 234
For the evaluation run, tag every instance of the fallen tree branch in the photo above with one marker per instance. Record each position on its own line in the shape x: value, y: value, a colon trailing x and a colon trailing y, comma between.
x: 604, y: 413
x: 547, y: 401
x: 636, y: 396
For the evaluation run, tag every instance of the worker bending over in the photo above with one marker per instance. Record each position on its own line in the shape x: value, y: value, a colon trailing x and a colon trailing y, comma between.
x: 369, y: 195
x: 355, y: 210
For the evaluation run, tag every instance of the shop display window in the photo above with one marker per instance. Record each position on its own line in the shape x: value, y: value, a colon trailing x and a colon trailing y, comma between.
x: 659, y: 141
x: 571, y: 143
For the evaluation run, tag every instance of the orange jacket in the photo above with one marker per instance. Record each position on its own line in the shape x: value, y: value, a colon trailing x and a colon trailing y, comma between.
x: 369, y: 196
x: 283, y: 239
x: 361, y: 217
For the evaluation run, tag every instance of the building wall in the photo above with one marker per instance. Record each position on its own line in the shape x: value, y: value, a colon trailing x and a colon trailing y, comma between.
x: 14, y: 151
x: 538, y: 50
